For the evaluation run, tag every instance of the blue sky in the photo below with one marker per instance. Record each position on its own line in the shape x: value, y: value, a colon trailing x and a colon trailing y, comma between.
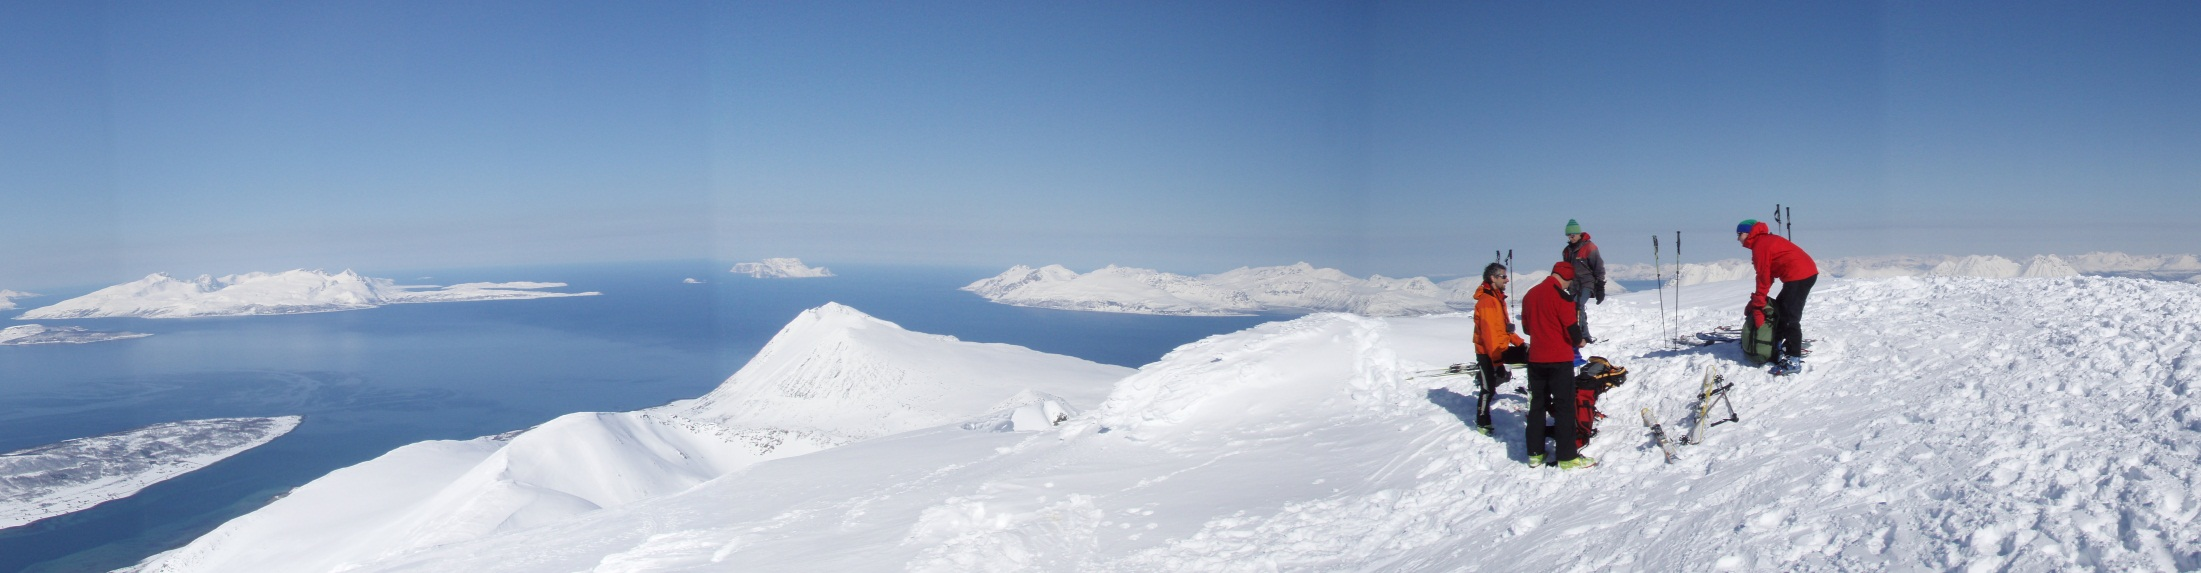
x: 1398, y: 138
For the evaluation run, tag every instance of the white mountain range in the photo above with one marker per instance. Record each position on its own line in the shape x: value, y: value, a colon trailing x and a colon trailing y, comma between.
x: 2062, y: 437
x: 785, y: 268
x: 1246, y: 290
x: 290, y: 292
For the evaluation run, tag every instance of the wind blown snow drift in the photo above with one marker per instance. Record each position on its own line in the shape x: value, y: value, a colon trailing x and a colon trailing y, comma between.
x: 1946, y: 422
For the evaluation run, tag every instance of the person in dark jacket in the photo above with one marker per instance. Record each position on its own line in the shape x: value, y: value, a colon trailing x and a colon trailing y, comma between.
x: 1589, y: 270
x: 1496, y: 344
x: 1774, y: 257
x: 1549, y: 318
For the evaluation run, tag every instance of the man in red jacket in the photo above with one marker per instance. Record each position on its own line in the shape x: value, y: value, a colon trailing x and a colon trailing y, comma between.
x: 1549, y: 317
x: 1776, y: 258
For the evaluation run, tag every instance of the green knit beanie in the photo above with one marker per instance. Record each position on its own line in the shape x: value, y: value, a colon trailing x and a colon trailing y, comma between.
x: 1573, y: 228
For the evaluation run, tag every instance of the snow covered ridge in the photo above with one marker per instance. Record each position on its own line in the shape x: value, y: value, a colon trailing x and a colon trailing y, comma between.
x: 832, y: 377
x: 74, y: 475
x: 1936, y: 430
x: 780, y: 269
x: 1243, y: 291
x: 29, y: 334
x: 2165, y: 267
x: 291, y: 292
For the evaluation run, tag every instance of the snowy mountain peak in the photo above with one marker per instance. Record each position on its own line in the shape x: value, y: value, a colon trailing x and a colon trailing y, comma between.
x: 835, y: 371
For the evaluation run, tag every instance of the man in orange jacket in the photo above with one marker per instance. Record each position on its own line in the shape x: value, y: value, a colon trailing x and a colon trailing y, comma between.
x: 1553, y: 335
x: 1496, y: 345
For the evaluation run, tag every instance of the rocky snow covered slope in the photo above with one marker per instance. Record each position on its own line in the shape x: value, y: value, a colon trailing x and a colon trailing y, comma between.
x: 1944, y: 423
x: 74, y: 475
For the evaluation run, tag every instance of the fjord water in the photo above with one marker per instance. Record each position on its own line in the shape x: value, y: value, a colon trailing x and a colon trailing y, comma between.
x: 369, y: 381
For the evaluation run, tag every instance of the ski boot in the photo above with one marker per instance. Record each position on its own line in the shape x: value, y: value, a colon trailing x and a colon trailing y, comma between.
x: 1484, y: 430
x: 1787, y: 365
x: 1579, y: 462
x: 1535, y: 460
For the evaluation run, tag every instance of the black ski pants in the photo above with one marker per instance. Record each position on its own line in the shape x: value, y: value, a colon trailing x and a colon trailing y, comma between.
x: 1790, y: 331
x: 1551, y: 391
x: 1493, y: 375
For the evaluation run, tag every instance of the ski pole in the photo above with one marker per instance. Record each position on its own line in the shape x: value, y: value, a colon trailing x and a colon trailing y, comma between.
x: 1658, y: 271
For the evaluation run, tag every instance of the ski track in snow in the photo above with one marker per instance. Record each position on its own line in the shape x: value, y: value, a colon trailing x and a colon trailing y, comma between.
x: 1943, y: 423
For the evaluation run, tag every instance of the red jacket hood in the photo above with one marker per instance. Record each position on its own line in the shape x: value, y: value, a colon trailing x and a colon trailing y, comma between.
x: 1755, y: 230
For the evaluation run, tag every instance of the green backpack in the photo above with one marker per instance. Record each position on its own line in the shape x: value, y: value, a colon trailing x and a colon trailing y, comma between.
x: 1758, y: 341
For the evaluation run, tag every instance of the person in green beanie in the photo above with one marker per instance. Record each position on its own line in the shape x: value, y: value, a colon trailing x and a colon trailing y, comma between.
x: 1589, y: 270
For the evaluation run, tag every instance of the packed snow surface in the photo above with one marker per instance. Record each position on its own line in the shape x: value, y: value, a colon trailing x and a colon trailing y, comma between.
x: 290, y: 292
x: 833, y: 376
x: 1944, y: 423
x: 1242, y: 291
x: 40, y: 334
x: 74, y: 475
x: 780, y: 269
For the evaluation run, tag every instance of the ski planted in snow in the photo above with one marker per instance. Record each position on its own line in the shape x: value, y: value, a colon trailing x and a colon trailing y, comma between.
x: 1658, y: 434
x: 1714, y: 392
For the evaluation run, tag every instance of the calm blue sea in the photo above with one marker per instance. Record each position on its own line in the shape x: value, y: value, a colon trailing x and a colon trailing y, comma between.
x: 369, y: 381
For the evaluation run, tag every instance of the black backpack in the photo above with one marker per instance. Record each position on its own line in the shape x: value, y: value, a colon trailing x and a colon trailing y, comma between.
x: 1595, y: 378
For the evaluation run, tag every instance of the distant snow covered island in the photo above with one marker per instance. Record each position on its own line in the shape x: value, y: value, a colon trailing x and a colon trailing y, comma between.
x: 1243, y: 291
x: 74, y: 475
x: 292, y: 292
x: 7, y: 298
x: 29, y: 334
x: 788, y: 268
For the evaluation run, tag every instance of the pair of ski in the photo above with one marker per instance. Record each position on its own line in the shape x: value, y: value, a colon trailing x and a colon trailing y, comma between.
x: 1468, y: 369
x: 1713, y: 392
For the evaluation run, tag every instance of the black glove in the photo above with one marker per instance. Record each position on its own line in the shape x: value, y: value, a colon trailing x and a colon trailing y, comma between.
x: 1600, y: 298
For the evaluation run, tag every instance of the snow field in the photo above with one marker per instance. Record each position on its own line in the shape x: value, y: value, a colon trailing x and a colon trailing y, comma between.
x: 1943, y: 423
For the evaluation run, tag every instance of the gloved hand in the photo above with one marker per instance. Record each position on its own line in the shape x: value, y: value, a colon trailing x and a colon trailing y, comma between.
x: 1600, y: 297
x: 1756, y: 315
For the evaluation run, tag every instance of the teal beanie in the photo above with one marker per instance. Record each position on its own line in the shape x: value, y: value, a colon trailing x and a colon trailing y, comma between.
x: 1573, y: 228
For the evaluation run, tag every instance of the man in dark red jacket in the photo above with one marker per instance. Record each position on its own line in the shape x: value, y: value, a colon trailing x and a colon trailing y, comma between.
x: 1776, y: 258
x: 1549, y: 317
